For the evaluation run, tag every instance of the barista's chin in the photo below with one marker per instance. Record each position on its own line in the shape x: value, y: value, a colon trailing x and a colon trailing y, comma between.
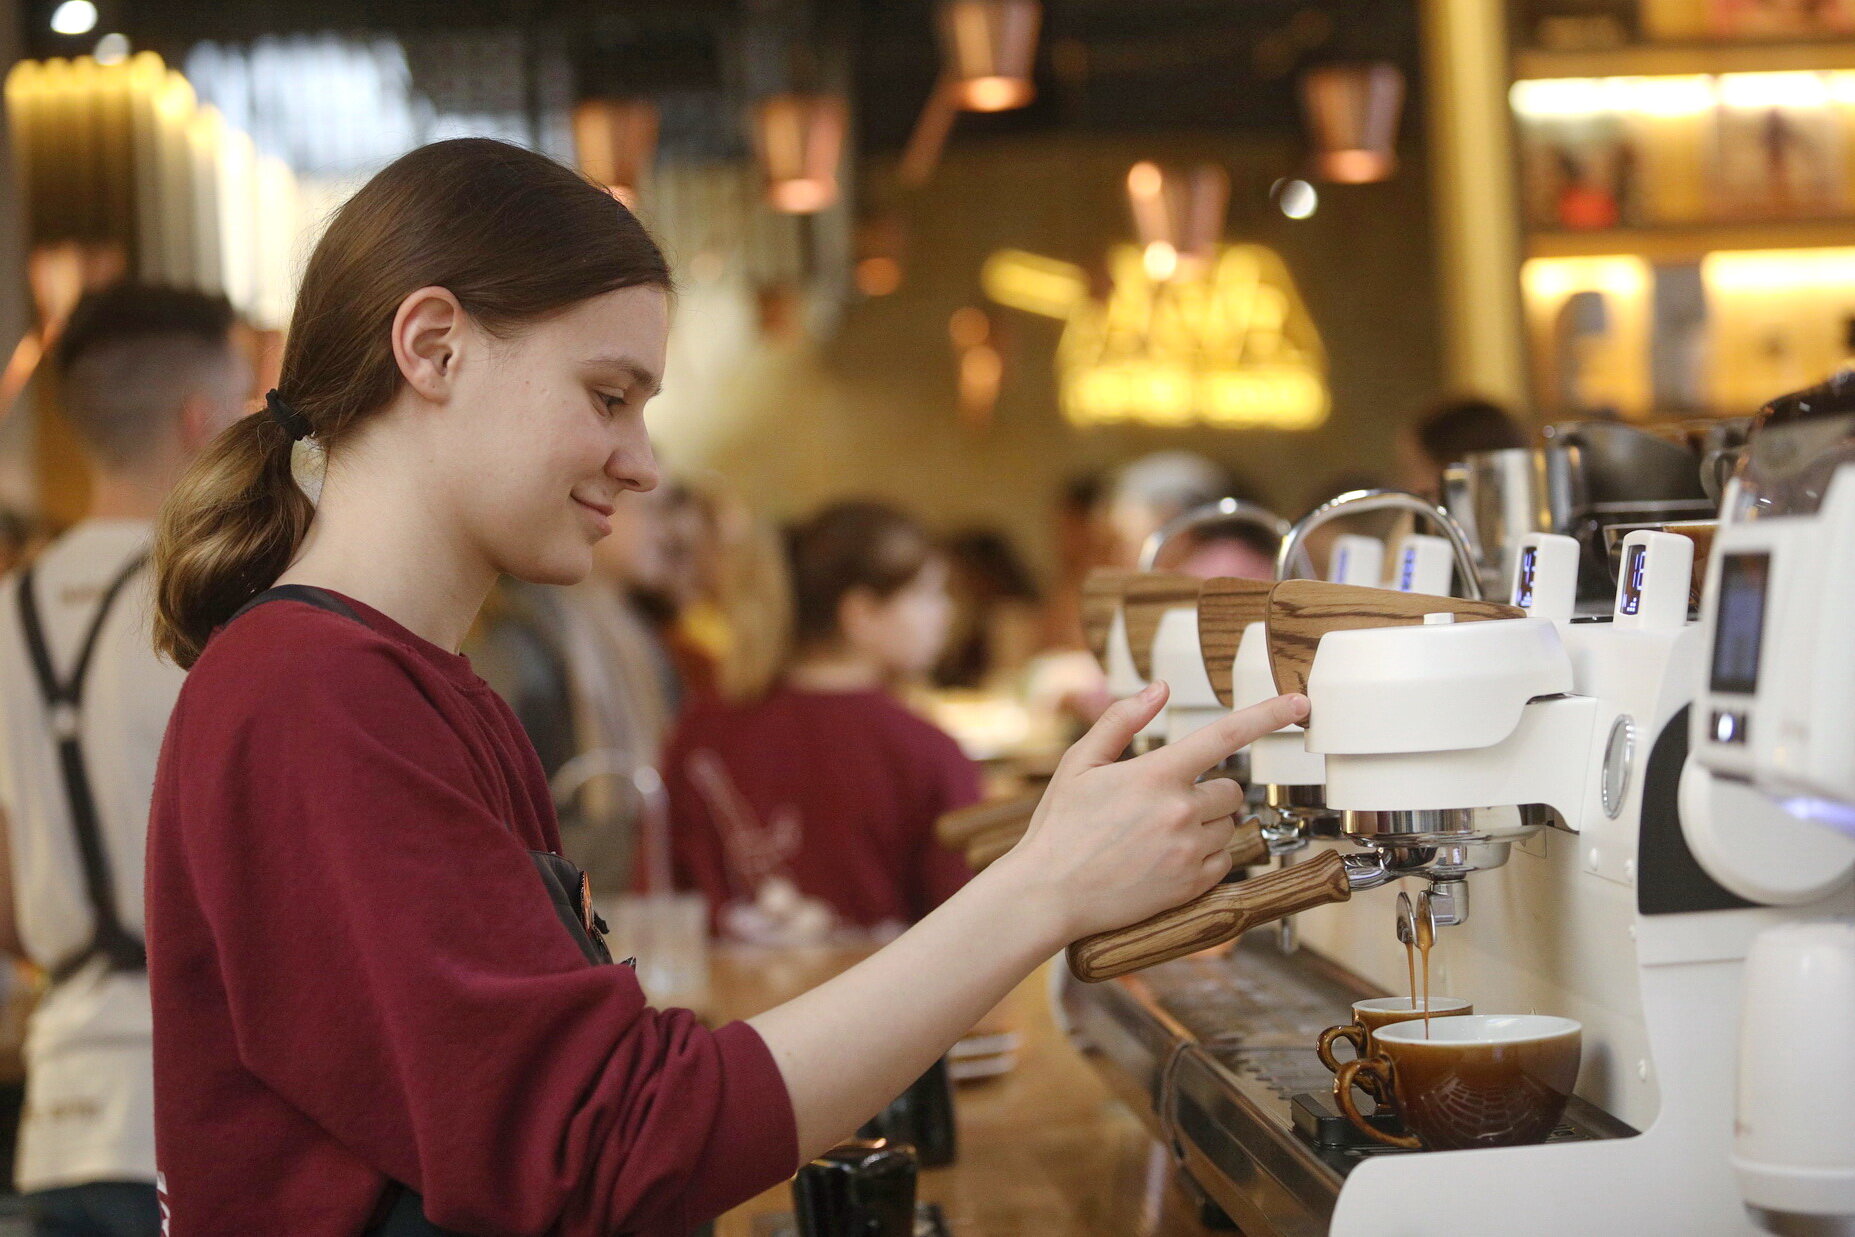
x: 565, y: 565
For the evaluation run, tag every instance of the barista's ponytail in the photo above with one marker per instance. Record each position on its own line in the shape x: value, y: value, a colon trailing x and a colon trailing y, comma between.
x: 228, y: 529
x: 513, y: 235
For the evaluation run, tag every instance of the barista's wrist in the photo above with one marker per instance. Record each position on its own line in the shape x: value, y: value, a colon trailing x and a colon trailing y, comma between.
x: 1039, y: 911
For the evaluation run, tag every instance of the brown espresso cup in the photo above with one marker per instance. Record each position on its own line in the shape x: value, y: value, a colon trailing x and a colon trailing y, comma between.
x: 1381, y: 1011
x: 1479, y: 1080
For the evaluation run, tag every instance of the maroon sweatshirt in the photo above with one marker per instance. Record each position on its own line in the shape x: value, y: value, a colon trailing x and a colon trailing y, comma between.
x: 835, y: 792
x: 358, y: 977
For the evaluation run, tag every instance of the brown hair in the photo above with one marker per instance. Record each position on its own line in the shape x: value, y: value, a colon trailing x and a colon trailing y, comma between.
x: 849, y: 546
x: 513, y: 235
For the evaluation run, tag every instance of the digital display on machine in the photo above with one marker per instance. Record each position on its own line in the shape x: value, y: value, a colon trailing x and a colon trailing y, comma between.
x: 1407, y: 570
x: 1523, y: 579
x: 1739, y: 633
x: 1634, y: 565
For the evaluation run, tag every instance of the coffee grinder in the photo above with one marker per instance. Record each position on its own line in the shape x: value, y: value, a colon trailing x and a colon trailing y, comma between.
x: 1768, y: 803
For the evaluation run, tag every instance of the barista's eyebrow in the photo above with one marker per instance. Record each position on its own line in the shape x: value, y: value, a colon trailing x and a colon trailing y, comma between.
x: 638, y: 373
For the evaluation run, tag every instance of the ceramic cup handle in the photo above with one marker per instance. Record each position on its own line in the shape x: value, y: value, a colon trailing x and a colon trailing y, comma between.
x: 1378, y: 1071
x: 1352, y: 1033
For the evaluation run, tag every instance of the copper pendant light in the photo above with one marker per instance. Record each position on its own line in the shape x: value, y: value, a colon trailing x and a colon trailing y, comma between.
x: 615, y: 142
x: 987, y: 50
x: 1178, y: 215
x: 1352, y: 111
x: 798, y: 139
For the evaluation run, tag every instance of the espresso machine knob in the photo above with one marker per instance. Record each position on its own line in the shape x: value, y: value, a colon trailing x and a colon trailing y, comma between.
x: 857, y: 1189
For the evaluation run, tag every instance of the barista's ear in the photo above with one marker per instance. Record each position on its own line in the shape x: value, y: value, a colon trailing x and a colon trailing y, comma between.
x: 428, y: 338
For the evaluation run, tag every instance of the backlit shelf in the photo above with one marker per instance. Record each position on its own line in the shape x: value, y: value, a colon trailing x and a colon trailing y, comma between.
x: 1681, y: 59
x: 1689, y: 243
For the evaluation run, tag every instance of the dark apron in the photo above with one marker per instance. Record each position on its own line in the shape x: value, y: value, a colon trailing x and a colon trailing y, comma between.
x: 401, y: 1212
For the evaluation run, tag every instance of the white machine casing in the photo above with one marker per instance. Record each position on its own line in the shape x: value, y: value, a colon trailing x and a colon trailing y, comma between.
x: 1124, y: 679
x: 1546, y: 711
x: 1770, y: 806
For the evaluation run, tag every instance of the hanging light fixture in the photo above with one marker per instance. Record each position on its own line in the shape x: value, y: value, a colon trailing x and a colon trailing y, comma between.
x: 1352, y: 111
x: 987, y: 51
x: 615, y: 143
x: 1178, y: 216
x: 798, y: 139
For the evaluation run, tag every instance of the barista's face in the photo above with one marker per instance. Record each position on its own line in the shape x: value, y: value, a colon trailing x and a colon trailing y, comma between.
x: 549, y: 432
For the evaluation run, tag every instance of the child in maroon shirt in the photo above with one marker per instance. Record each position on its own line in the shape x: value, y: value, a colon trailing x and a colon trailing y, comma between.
x: 378, y: 1005
x: 827, y: 786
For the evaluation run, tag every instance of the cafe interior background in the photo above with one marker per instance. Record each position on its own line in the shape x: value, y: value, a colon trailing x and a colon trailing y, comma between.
x: 1271, y: 233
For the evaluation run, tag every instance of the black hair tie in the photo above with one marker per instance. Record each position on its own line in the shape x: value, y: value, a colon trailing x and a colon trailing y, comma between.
x: 294, y: 423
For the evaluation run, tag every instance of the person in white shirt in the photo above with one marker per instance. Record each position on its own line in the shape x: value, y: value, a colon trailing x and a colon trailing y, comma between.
x: 147, y: 376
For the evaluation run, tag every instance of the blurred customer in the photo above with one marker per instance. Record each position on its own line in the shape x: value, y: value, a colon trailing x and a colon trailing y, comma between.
x: 1156, y: 489
x: 1236, y: 548
x: 1084, y: 541
x: 807, y: 806
x: 682, y: 598
x: 20, y: 539
x: 1445, y: 434
x: 624, y: 690
x: 148, y: 376
x: 995, y: 626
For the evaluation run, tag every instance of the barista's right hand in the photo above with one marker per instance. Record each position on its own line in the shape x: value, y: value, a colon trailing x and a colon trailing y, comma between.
x: 1116, y: 841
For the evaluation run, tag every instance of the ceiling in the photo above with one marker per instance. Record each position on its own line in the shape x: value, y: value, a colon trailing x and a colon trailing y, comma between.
x: 1109, y: 66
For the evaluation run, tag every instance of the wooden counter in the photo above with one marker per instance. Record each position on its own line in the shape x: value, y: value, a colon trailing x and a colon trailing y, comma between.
x: 1044, y: 1151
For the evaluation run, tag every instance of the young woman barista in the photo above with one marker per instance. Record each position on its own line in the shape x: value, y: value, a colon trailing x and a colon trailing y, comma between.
x: 367, y: 1008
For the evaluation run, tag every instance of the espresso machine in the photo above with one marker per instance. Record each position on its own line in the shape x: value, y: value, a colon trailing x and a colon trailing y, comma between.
x: 1286, y: 780
x: 1535, y: 758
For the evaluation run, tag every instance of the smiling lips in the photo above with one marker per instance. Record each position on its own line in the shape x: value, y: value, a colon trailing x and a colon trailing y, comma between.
x: 600, y: 511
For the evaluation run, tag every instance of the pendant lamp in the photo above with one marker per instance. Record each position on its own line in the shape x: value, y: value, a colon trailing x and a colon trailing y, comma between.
x: 1178, y: 215
x: 1352, y: 112
x: 798, y: 139
x: 988, y: 48
x: 615, y: 142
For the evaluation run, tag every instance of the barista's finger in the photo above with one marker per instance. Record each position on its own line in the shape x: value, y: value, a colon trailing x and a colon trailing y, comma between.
x: 1220, y: 833
x: 1113, y: 731
x: 1211, y: 745
x: 1217, y: 797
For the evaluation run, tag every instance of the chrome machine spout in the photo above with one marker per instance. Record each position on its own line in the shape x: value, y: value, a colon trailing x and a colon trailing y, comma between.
x: 1223, y: 511
x: 1362, y: 502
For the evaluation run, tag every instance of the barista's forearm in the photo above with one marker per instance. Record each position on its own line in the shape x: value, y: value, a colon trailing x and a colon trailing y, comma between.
x: 849, y: 1046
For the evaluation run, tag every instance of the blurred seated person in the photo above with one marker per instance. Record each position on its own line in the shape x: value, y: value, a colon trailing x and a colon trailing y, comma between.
x: 586, y: 671
x: 1445, y: 434
x: 20, y: 537
x: 804, y: 808
x: 679, y: 595
x: 1239, y: 548
x: 1156, y: 489
x: 1084, y: 541
x: 996, y: 627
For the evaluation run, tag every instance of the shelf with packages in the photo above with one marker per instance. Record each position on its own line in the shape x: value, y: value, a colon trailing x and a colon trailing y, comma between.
x: 1663, y: 243
x: 1685, y: 59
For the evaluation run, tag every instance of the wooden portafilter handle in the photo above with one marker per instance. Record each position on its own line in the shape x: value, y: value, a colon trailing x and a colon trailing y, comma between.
x: 1223, y: 914
x: 961, y: 827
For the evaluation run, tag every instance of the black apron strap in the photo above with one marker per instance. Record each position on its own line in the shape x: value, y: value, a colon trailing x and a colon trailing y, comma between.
x: 322, y: 599
x: 63, y: 711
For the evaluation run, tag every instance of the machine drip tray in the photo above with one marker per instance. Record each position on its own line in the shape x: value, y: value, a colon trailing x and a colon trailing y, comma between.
x: 1318, y: 1120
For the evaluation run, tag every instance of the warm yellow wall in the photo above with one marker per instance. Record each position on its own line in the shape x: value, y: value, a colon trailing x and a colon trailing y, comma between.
x: 872, y: 410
